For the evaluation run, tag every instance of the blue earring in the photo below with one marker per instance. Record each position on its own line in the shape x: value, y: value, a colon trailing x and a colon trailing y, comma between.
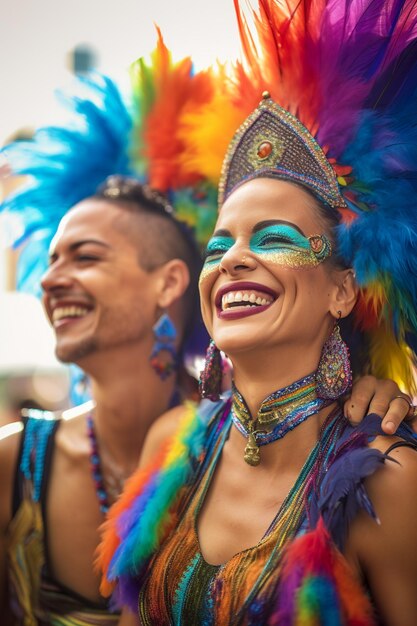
x: 165, y: 334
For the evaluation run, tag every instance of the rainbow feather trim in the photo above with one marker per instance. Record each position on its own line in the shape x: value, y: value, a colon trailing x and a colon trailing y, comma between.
x: 144, y: 514
x: 318, y: 587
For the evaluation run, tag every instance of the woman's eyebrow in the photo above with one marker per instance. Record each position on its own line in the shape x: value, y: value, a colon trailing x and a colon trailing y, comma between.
x: 261, y: 225
x: 222, y: 232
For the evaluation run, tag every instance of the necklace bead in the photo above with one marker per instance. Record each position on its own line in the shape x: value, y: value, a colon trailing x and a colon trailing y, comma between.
x: 96, y: 470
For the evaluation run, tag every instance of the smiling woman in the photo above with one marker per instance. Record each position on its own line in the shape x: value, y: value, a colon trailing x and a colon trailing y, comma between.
x: 289, y: 266
x: 267, y: 507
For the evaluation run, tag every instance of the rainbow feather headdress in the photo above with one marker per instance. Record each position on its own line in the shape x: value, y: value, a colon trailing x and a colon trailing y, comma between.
x: 348, y: 72
x: 101, y: 133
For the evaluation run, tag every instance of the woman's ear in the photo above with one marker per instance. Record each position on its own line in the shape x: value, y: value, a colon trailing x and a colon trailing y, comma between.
x: 173, y: 280
x: 345, y: 293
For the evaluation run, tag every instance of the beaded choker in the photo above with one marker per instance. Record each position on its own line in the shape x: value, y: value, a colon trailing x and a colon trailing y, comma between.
x: 280, y: 412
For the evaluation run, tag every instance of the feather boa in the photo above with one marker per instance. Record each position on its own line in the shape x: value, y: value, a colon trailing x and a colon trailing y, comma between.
x: 144, y: 514
x: 318, y: 587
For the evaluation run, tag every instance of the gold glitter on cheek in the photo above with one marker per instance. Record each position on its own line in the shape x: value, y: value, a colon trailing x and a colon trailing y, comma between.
x: 208, y: 270
x: 294, y: 259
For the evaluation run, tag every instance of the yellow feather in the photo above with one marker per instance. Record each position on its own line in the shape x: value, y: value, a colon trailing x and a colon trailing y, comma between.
x: 206, y: 132
x: 390, y: 359
x: 177, y: 447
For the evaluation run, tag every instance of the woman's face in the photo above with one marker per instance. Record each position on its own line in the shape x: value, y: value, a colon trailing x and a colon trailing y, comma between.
x: 264, y: 282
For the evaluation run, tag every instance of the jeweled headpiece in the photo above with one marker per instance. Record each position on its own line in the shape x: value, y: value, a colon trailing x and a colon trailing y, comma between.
x: 345, y: 75
x: 273, y: 143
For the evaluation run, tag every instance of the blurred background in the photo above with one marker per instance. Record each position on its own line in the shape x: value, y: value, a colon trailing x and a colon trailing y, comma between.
x: 43, y: 43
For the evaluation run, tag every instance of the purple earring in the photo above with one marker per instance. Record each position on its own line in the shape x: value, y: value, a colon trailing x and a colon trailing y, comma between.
x: 210, y: 384
x: 334, y: 374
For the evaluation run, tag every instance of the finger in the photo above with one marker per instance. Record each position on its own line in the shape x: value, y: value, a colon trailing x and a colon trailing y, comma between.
x: 398, y: 410
x: 355, y: 408
x: 370, y: 395
x: 412, y: 417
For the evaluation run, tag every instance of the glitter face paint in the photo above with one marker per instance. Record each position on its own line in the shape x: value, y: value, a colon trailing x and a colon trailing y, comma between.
x: 216, y: 249
x: 280, y: 244
x: 284, y: 245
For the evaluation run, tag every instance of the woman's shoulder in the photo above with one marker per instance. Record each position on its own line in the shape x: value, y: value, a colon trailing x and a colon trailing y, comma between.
x: 186, y: 417
x: 384, y: 548
x: 396, y: 482
x: 397, y: 478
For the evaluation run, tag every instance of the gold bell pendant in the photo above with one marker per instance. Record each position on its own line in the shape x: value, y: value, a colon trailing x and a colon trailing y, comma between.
x: 252, y: 456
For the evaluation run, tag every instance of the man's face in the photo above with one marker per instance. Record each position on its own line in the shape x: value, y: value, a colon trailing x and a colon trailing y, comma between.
x: 96, y: 296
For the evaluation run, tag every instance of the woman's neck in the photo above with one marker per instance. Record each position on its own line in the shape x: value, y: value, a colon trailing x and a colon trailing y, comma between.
x: 257, y: 378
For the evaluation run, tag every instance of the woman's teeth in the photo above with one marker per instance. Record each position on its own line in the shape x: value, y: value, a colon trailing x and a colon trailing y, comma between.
x: 243, y: 298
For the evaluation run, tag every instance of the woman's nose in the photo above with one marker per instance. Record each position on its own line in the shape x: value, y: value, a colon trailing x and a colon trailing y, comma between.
x: 237, y: 259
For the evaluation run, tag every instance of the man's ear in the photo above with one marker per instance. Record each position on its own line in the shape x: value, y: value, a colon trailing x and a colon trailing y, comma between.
x: 173, y: 280
x: 345, y: 293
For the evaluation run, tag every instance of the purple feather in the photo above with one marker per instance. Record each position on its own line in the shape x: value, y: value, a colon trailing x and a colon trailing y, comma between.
x: 341, y: 493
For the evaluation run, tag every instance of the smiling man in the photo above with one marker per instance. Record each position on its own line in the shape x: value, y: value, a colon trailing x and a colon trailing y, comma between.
x: 118, y: 263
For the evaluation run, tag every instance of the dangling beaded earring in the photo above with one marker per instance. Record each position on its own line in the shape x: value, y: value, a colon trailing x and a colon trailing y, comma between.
x: 165, y: 334
x: 334, y: 375
x: 210, y: 384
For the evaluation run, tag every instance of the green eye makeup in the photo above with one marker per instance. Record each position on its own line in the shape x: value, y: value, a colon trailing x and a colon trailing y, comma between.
x: 284, y: 245
x: 279, y: 243
x: 216, y: 248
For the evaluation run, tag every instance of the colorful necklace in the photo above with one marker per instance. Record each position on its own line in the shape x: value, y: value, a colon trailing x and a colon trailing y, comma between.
x: 96, y: 469
x: 279, y: 413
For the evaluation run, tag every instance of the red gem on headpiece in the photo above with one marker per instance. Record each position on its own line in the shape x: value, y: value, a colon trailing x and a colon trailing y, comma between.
x: 264, y: 150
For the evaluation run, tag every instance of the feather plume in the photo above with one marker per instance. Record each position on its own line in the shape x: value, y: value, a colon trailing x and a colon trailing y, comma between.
x: 317, y: 586
x: 65, y: 164
x: 165, y: 90
x: 143, y: 516
x: 348, y: 71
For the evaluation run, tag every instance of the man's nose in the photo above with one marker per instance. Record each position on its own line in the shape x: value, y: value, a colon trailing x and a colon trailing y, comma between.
x: 56, y: 278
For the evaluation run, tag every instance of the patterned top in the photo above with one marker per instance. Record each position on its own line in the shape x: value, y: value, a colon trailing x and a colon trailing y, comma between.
x: 36, y: 598
x: 191, y: 591
x: 295, y: 575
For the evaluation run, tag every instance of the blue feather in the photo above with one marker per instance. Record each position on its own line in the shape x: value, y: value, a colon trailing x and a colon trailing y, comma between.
x: 66, y: 163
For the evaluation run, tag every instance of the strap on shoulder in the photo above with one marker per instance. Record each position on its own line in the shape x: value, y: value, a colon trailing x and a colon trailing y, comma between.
x: 401, y: 444
x: 38, y: 428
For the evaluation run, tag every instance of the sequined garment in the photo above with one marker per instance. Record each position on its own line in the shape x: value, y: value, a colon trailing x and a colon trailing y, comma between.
x: 180, y: 587
x: 297, y: 574
x: 35, y: 598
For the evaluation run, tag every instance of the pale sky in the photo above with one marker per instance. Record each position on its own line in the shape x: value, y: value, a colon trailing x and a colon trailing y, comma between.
x: 37, y: 35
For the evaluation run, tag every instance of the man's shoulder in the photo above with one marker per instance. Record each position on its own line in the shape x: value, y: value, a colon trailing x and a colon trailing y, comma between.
x: 10, y: 444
